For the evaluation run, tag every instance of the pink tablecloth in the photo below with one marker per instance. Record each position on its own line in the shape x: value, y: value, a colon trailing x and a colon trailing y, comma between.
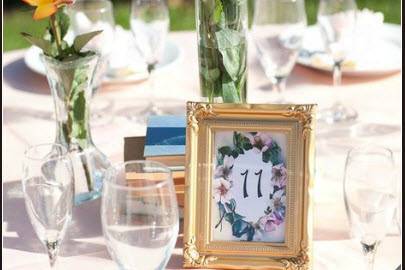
x: 27, y: 119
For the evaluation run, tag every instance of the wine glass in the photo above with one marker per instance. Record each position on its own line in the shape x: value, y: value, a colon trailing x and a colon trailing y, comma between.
x: 93, y: 15
x: 337, y: 21
x: 139, y: 215
x: 47, y: 183
x: 149, y: 25
x: 370, y: 195
x: 277, y: 30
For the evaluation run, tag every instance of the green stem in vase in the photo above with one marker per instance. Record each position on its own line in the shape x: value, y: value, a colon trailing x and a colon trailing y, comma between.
x: 222, y: 50
x: 56, y: 33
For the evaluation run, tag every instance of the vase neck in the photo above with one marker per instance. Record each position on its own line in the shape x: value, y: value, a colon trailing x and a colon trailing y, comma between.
x: 71, y: 87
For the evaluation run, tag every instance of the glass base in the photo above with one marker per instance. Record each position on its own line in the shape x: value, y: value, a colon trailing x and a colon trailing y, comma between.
x: 338, y: 113
x: 85, y: 197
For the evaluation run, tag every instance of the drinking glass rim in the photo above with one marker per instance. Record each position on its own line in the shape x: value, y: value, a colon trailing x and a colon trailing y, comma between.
x: 151, y: 186
x: 64, y: 154
x: 363, y: 149
x: 107, y: 6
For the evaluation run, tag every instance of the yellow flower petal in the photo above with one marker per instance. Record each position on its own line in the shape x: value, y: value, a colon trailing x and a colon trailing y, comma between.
x: 32, y: 2
x: 44, y: 11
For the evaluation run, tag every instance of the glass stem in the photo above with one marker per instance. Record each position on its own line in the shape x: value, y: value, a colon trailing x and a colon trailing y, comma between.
x: 337, y: 73
x: 151, y: 95
x: 279, y: 87
x: 369, y: 251
x: 52, y: 248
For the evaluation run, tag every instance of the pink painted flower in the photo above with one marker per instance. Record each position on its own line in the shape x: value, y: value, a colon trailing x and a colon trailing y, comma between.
x: 225, y: 170
x: 260, y: 141
x: 269, y: 223
x: 221, y: 190
x: 279, y: 175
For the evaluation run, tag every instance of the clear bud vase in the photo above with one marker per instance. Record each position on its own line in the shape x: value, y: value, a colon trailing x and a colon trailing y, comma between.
x: 70, y: 83
x: 222, y: 49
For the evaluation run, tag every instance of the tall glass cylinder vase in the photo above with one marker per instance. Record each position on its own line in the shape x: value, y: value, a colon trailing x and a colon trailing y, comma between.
x: 70, y: 83
x: 222, y: 49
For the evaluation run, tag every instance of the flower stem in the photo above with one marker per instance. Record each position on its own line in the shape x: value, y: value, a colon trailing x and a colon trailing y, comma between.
x: 56, y: 34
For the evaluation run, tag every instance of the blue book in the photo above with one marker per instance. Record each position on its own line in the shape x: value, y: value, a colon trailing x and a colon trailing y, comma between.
x: 166, y: 139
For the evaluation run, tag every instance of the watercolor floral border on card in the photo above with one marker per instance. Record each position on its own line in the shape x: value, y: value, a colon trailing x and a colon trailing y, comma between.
x: 275, y: 212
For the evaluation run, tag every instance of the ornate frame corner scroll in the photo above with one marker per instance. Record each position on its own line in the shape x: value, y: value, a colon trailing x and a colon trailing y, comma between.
x: 200, y: 250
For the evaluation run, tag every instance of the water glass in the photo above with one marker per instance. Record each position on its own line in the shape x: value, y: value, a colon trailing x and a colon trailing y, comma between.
x: 149, y: 21
x: 370, y: 195
x: 337, y: 21
x: 47, y: 183
x: 277, y: 30
x: 93, y: 15
x: 139, y: 215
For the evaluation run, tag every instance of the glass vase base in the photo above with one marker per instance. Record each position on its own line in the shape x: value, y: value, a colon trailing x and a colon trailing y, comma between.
x: 86, y: 197
x: 338, y: 113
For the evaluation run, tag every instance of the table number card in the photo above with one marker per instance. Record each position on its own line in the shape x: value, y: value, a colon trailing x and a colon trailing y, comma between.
x: 249, y: 169
x: 249, y: 186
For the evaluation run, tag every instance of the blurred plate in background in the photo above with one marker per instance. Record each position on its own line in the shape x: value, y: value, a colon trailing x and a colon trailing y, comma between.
x: 133, y: 72
x: 375, y: 55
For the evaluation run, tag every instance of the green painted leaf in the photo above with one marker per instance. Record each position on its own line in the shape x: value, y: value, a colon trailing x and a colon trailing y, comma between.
x: 246, y: 144
x: 266, y: 156
x: 250, y: 233
x: 234, y: 154
x: 225, y: 150
x: 43, y: 44
x: 237, y: 217
x: 229, y: 217
x: 240, y: 227
x: 233, y: 204
x: 81, y: 40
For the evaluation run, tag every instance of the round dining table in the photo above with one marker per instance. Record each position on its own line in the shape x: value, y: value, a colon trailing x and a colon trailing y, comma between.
x: 28, y: 120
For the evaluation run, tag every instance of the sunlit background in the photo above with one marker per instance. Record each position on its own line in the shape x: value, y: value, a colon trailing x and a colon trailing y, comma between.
x: 17, y: 16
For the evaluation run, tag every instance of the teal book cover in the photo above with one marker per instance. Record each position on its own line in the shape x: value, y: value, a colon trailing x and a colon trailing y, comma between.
x: 165, y: 136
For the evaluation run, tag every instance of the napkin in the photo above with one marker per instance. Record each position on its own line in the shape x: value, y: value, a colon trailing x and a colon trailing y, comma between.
x: 124, y: 59
x: 369, y: 51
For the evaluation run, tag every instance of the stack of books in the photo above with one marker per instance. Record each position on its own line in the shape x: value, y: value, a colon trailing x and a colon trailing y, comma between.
x: 165, y: 143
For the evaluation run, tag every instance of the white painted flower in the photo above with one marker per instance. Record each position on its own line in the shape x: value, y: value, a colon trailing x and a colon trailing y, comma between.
x: 221, y: 190
x: 260, y: 141
x: 277, y: 201
x: 279, y: 175
x: 225, y: 170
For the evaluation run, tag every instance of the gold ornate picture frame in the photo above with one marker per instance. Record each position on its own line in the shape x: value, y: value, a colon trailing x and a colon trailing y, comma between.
x: 268, y: 162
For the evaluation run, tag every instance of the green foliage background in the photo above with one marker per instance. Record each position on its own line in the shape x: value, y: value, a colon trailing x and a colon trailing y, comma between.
x: 17, y: 17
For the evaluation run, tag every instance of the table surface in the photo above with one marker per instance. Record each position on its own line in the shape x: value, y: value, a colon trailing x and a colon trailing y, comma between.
x: 28, y: 119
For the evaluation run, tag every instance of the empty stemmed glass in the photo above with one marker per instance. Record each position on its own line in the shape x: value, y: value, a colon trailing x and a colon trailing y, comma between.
x: 94, y: 15
x: 370, y: 195
x: 139, y: 215
x: 48, y: 191
x: 337, y: 20
x: 277, y: 30
x: 149, y: 24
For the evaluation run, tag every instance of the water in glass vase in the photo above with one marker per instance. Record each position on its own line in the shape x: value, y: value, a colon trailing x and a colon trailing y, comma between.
x: 223, y: 72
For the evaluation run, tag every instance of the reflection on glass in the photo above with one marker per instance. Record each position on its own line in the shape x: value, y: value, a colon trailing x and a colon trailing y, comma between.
x: 140, y: 215
x: 48, y: 191
x: 370, y: 196
x: 278, y: 29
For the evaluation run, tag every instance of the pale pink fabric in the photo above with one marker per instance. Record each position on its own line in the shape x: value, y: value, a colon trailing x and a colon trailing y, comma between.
x: 27, y: 119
